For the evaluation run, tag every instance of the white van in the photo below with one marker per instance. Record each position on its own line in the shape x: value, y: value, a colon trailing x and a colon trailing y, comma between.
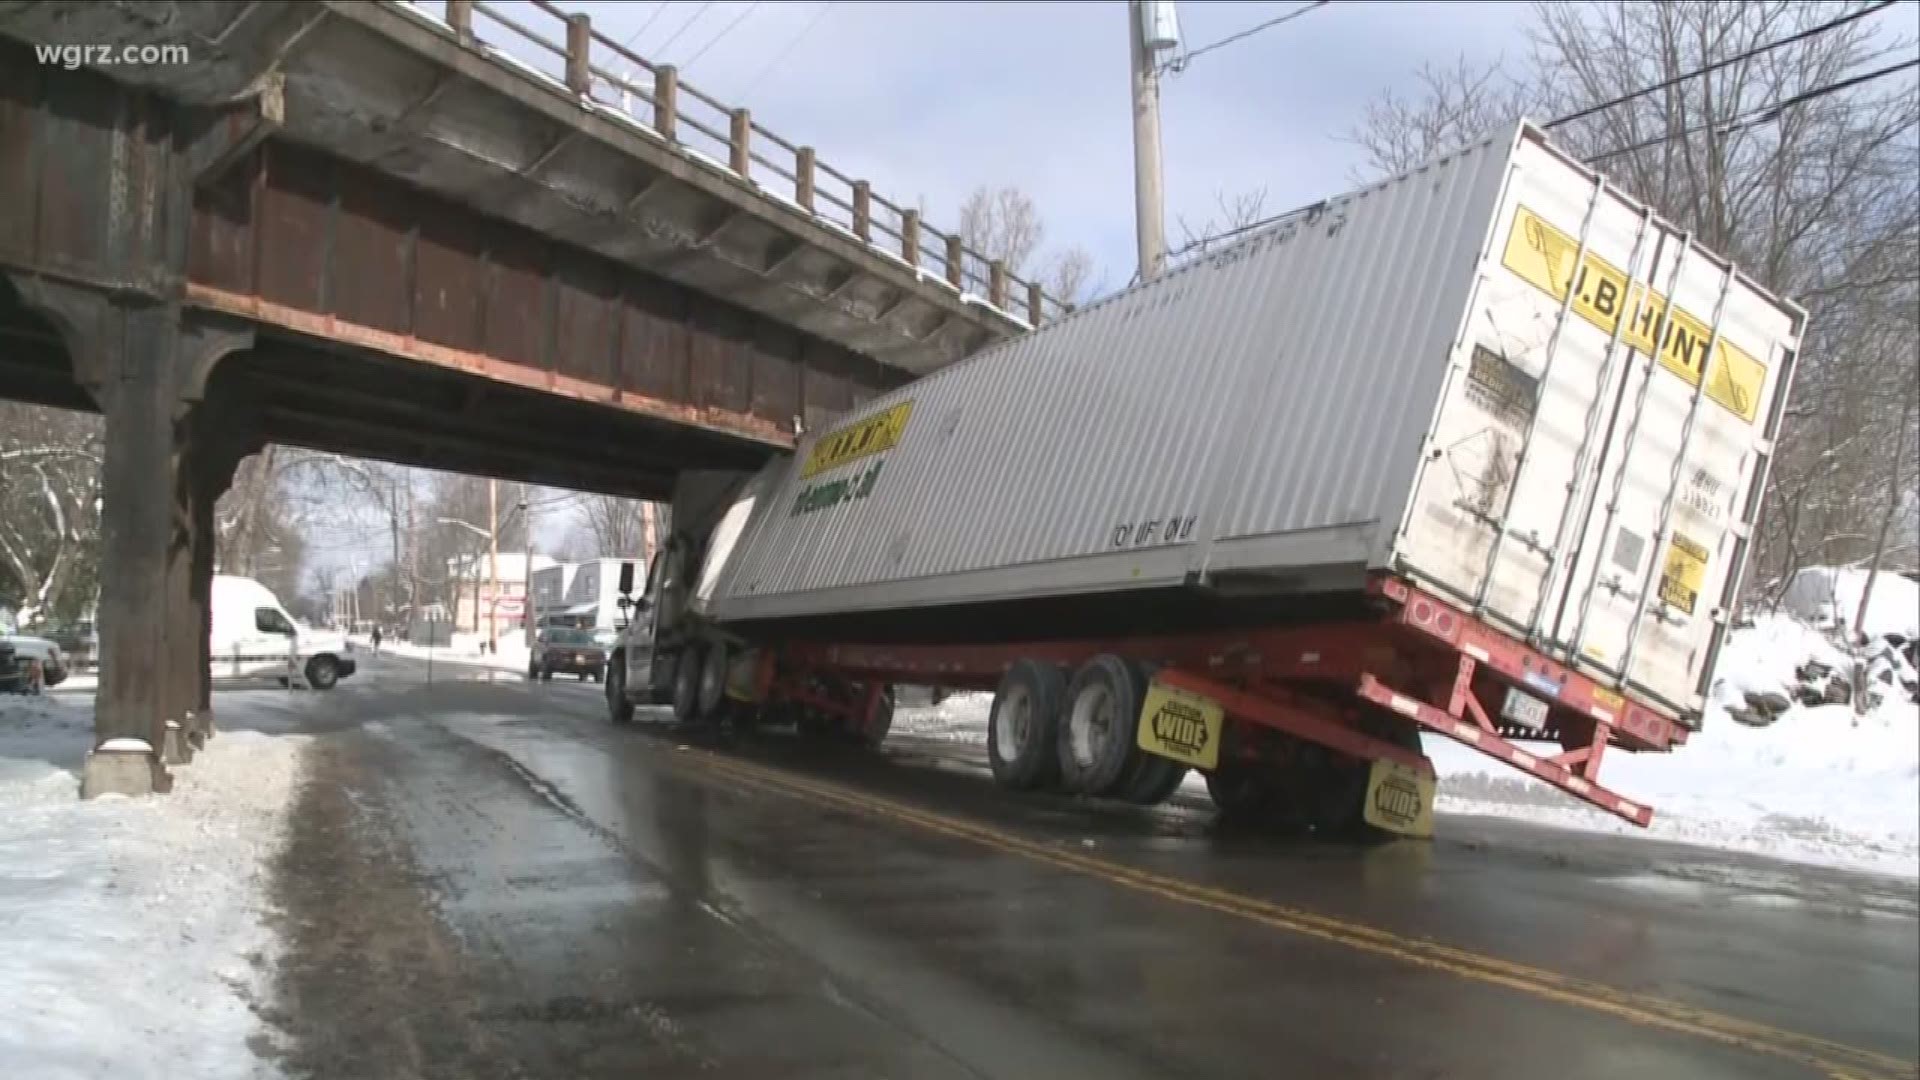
x: 253, y: 637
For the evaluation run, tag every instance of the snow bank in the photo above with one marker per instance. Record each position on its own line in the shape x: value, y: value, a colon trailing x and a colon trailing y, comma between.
x: 1816, y: 784
x: 465, y: 649
x: 134, y: 928
x: 1825, y: 596
x: 961, y: 718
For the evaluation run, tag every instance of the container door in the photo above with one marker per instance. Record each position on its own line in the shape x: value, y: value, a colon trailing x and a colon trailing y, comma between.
x: 1680, y: 469
x: 1533, y: 382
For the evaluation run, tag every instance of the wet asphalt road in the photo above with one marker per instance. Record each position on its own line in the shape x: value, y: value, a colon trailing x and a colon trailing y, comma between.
x: 487, y: 879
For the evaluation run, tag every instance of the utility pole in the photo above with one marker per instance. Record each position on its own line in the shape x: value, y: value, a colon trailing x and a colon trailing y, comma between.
x: 1150, y: 28
x: 527, y: 610
x: 493, y: 565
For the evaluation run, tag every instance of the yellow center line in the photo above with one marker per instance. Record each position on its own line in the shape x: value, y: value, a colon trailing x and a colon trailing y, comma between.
x: 1830, y: 1058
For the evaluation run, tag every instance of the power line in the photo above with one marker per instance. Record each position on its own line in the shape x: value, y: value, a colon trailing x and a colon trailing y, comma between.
x: 662, y: 6
x: 737, y: 20
x: 1718, y: 64
x: 788, y: 51
x: 684, y: 27
x: 1766, y: 113
x: 1180, y: 63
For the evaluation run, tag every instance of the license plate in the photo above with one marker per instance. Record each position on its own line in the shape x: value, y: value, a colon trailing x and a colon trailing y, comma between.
x: 1183, y: 726
x: 1524, y: 709
x: 1399, y: 799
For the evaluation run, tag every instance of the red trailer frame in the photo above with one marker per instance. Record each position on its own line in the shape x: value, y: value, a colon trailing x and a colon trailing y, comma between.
x: 1418, y: 656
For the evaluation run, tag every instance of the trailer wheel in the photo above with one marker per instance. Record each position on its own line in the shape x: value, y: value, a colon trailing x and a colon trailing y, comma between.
x: 1097, y: 728
x: 686, y: 685
x: 1243, y: 791
x: 878, y: 720
x: 1023, y: 730
x: 1154, y: 780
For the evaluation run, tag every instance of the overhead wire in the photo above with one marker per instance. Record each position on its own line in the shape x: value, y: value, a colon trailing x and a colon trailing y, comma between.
x: 1708, y: 69
x: 658, y: 8
x: 737, y: 20
x: 792, y: 44
x: 1179, y: 63
x: 684, y: 27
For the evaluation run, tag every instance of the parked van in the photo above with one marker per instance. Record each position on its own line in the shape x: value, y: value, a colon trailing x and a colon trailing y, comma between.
x: 253, y: 637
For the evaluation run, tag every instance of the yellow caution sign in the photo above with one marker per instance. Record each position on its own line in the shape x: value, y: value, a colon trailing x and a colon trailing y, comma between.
x: 875, y: 434
x: 1544, y: 256
x: 1399, y: 799
x: 1182, y: 726
x: 1685, y: 572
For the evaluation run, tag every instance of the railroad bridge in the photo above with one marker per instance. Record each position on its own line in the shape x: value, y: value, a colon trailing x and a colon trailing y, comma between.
x: 373, y: 228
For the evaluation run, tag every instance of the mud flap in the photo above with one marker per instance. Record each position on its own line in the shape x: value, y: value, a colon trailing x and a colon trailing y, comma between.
x: 1400, y: 800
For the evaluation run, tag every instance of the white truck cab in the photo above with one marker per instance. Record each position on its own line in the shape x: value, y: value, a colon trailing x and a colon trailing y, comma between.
x: 253, y: 637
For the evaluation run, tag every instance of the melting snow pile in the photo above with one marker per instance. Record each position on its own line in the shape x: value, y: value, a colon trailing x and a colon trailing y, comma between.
x: 135, y: 939
x: 1784, y: 764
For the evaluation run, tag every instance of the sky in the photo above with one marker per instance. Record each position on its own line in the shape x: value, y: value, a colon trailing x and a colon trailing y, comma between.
x: 930, y: 100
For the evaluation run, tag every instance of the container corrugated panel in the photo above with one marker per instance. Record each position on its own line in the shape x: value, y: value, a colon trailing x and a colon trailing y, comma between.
x: 1391, y: 380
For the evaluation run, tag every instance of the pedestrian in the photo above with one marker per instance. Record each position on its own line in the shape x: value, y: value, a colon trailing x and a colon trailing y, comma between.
x: 376, y: 639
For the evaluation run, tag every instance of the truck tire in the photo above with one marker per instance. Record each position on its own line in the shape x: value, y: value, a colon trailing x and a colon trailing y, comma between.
x: 1096, y: 736
x: 1154, y: 780
x: 712, y: 696
x: 878, y: 721
x: 686, y: 685
x: 1023, y: 730
x: 619, y: 709
x: 1243, y: 791
x: 322, y: 672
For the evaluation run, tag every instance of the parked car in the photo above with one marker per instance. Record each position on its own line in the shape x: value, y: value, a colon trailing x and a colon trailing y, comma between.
x: 560, y: 648
x: 13, y: 674
x: 80, y: 643
x: 30, y: 649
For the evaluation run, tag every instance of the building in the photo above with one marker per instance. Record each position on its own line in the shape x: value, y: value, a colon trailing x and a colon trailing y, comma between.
x: 470, y: 583
x: 586, y: 593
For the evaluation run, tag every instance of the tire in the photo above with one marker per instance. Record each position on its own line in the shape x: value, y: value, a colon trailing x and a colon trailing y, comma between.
x: 322, y: 672
x: 600, y: 675
x: 619, y: 709
x: 712, y: 697
x: 686, y: 684
x: 1096, y: 732
x: 1154, y: 780
x: 533, y: 674
x: 878, y: 722
x: 546, y: 674
x: 1241, y: 791
x: 1023, y: 729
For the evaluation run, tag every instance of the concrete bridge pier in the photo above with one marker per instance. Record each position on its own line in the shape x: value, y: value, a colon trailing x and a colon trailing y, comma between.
x: 171, y: 451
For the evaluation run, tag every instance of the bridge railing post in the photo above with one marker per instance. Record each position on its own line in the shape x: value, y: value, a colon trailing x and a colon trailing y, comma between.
x: 460, y: 20
x: 666, y: 97
x: 956, y: 262
x: 1036, y: 301
x: 579, y: 56
x: 863, y: 210
x: 910, y: 237
x: 740, y: 146
x: 803, y: 178
x: 997, y: 285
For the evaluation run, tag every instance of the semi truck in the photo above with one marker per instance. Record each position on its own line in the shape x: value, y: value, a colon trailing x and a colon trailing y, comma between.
x: 1473, y: 452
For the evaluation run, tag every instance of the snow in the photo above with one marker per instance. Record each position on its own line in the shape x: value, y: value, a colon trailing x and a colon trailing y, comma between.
x: 466, y: 649
x: 1828, y: 596
x: 135, y: 928
x: 1815, y: 785
x: 126, y: 746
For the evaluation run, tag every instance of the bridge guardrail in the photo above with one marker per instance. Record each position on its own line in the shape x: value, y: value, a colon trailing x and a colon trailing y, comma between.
x: 727, y: 138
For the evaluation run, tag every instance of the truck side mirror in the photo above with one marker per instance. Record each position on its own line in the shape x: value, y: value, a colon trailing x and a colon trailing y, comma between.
x: 626, y: 579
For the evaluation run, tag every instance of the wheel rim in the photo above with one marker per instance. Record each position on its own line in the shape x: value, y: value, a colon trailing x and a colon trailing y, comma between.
x: 1013, y: 723
x: 1091, y: 725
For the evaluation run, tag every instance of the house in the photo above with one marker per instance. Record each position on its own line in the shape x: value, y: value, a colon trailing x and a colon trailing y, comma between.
x: 470, y: 581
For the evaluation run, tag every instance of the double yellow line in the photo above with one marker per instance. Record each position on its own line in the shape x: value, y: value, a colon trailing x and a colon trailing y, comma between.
x: 1836, y: 1061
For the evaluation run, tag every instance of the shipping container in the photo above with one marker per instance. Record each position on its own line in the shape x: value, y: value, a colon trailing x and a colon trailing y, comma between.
x: 1449, y: 376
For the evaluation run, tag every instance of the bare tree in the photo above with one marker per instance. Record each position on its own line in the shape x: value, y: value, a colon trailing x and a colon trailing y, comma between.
x: 1003, y: 224
x: 1237, y: 214
x: 1813, y: 193
x: 616, y: 526
x: 49, y: 510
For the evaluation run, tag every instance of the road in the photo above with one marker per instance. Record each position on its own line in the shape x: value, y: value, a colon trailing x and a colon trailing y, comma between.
x: 488, y: 879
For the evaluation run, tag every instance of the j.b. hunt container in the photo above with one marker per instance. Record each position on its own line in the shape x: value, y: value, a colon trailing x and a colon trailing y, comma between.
x: 1450, y: 376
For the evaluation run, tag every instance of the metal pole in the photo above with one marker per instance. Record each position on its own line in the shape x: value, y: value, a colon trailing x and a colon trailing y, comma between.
x: 527, y: 620
x: 493, y: 566
x: 1148, y: 200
